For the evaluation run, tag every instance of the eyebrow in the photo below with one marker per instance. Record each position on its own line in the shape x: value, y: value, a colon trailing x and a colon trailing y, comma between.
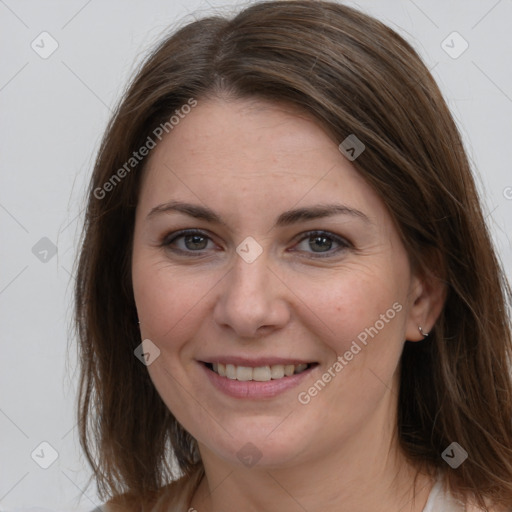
x: 286, y: 218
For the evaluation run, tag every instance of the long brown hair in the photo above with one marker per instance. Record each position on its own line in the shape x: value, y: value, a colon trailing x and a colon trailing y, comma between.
x: 355, y: 76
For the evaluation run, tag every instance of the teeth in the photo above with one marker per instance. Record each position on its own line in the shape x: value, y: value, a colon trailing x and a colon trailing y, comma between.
x: 277, y: 371
x: 289, y: 369
x: 260, y: 373
x: 243, y: 373
x: 230, y: 371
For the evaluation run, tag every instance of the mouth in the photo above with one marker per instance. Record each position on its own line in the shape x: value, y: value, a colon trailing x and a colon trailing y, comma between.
x: 264, y: 373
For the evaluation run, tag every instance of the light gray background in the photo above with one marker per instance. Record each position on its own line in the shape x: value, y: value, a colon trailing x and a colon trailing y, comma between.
x: 53, y: 113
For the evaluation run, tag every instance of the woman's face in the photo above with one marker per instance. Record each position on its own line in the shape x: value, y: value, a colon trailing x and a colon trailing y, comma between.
x: 272, y: 276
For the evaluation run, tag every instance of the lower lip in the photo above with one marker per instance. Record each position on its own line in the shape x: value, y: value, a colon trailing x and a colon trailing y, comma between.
x: 254, y: 389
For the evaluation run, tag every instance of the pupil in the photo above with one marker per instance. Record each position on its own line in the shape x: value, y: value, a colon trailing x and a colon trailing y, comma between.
x: 196, y: 240
x: 321, y: 241
x: 326, y: 242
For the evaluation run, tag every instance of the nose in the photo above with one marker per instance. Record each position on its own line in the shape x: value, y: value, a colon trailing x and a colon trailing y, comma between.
x: 252, y: 299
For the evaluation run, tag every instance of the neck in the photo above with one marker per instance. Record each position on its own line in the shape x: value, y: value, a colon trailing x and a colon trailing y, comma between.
x: 366, y: 474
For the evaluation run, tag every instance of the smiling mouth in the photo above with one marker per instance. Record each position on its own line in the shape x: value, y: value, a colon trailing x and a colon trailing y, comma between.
x: 259, y: 373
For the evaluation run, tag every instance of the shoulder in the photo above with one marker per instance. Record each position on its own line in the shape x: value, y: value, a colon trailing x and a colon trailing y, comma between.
x: 176, y: 494
x: 126, y: 503
x: 472, y: 507
x: 444, y: 497
x: 122, y: 503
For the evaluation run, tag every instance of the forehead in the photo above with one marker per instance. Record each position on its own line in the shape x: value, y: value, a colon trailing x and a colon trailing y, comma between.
x: 238, y: 153
x: 243, y: 137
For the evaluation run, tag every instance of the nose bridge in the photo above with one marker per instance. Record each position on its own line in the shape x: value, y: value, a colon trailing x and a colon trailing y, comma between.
x: 250, y: 269
x: 249, y: 275
x: 248, y: 299
x: 247, y: 288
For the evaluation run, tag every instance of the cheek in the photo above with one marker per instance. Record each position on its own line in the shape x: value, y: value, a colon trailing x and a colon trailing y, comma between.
x: 353, y: 301
x: 362, y: 317
x: 364, y: 321
x: 336, y: 306
x: 169, y: 303
x: 169, y: 300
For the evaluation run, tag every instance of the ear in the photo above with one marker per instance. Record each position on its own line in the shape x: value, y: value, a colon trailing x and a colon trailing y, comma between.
x: 427, y: 298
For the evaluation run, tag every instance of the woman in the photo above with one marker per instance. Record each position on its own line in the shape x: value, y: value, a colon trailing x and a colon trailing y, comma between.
x: 287, y: 297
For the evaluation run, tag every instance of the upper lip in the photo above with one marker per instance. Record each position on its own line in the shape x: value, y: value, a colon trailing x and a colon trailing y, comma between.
x: 255, y: 362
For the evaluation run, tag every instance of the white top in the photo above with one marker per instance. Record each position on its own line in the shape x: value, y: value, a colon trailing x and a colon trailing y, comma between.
x: 440, y: 500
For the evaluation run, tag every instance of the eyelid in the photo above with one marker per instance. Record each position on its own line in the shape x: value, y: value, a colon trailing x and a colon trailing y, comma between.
x: 169, y: 238
x: 344, y: 244
x: 342, y: 241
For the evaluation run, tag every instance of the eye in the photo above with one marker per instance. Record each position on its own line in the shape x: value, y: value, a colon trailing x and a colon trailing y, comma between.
x: 323, y: 241
x: 192, y: 241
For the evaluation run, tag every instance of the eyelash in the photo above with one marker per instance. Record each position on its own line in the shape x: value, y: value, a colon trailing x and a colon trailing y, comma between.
x: 172, y: 237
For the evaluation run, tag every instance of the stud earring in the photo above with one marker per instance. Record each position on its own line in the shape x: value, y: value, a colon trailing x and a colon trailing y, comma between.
x: 424, y: 334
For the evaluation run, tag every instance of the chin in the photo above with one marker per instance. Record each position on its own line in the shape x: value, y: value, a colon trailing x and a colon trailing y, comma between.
x: 264, y: 442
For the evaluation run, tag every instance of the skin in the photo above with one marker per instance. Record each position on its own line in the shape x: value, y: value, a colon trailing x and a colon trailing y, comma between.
x: 249, y: 161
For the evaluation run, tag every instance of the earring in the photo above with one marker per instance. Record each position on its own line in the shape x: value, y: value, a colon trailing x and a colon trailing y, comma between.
x: 424, y: 334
